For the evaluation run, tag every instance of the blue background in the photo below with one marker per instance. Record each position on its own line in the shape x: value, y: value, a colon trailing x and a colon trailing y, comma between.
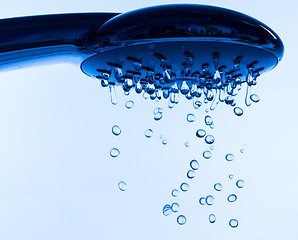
x: 57, y: 180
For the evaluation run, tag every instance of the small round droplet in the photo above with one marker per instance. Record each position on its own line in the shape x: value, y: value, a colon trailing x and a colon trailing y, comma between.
x: 255, y: 98
x: 242, y: 150
x: 114, y: 152
x: 231, y: 176
x: 200, y: 133
x: 210, y: 200
x: 238, y: 111
x: 175, y: 207
x: 230, y: 157
x: 116, y: 130
x: 175, y: 192
x: 148, y: 133
x: 191, y: 174
x: 207, y: 154
x: 212, y: 218
x: 164, y: 141
x: 181, y: 220
x: 206, y: 110
x: 167, y: 210
x: 197, y: 104
x: 184, y: 187
x: 218, y: 187
x: 129, y: 104
x: 212, y: 125
x: 208, y: 120
x: 209, y: 139
x: 122, y: 186
x: 240, y: 183
x: 194, y: 164
x: 186, y: 144
x: 233, y: 223
x: 146, y: 95
x: 157, y: 116
x: 211, y: 147
x: 190, y: 117
x: 232, y: 198
x: 202, y: 201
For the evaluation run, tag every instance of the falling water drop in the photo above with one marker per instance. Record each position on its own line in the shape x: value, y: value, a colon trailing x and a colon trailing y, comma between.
x: 232, y: 198
x: 116, y: 130
x: 207, y: 154
x: 233, y: 223
x: 114, y: 152
x: 208, y: 120
x: 157, y: 116
x: 122, y: 186
x: 181, y: 220
x: 238, y: 111
x: 240, y: 183
x: 255, y: 98
x: 210, y: 200
x: 218, y: 187
x: 113, y: 94
x: 175, y: 192
x: 184, y: 187
x: 148, y: 133
x: 230, y: 157
x: 194, y: 164
x: 164, y: 141
x: 212, y: 218
x: 186, y: 144
x: 197, y: 104
x: 200, y: 133
x: 191, y: 174
x: 209, y: 139
x: 242, y: 150
x: 231, y: 176
x: 202, y: 201
x: 175, y: 207
x: 190, y: 117
x: 167, y: 210
x: 247, y: 96
x: 129, y: 104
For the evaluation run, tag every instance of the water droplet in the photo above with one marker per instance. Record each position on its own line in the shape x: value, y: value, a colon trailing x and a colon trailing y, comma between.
x: 190, y: 117
x: 207, y: 154
x: 210, y: 200
x: 255, y: 98
x: 197, y: 104
x: 238, y: 111
x: 206, y: 110
x: 200, y: 133
x: 247, y: 96
x: 202, y: 201
x: 208, y: 120
x: 104, y: 83
x: 114, y: 152
x: 175, y: 207
x: 122, y: 186
x: 157, y: 116
x: 113, y: 94
x: 240, y: 183
x: 184, y: 187
x: 148, y: 133
x: 191, y: 174
x: 218, y: 187
x: 116, y: 130
x: 129, y: 104
x: 212, y: 218
x: 211, y: 147
x: 158, y: 110
x: 186, y: 144
x: 231, y: 176
x: 181, y: 220
x: 242, y: 150
x: 146, y: 95
x: 232, y: 198
x: 194, y: 164
x: 209, y: 139
x: 230, y: 157
x: 212, y: 125
x: 233, y: 223
x: 175, y: 192
x: 164, y: 141
x: 167, y: 210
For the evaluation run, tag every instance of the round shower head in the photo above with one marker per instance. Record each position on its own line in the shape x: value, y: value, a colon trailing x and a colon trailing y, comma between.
x: 185, y: 48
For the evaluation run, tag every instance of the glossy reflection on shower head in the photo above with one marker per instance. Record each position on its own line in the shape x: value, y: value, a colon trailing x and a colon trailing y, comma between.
x: 167, y: 50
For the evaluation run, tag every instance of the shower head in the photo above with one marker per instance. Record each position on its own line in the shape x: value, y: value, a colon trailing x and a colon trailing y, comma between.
x: 163, y: 50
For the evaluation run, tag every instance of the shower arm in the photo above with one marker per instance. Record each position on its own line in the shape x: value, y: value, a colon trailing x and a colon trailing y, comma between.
x: 40, y: 38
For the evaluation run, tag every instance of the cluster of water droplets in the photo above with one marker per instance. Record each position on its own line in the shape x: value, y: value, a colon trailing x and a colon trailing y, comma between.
x: 208, y: 83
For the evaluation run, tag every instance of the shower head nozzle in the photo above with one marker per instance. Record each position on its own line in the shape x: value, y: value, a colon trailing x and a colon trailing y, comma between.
x: 163, y: 50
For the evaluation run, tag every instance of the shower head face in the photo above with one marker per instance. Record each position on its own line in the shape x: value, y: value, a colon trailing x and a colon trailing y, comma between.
x: 182, y: 48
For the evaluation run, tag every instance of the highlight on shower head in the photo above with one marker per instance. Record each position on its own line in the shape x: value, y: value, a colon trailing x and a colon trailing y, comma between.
x: 164, y: 51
